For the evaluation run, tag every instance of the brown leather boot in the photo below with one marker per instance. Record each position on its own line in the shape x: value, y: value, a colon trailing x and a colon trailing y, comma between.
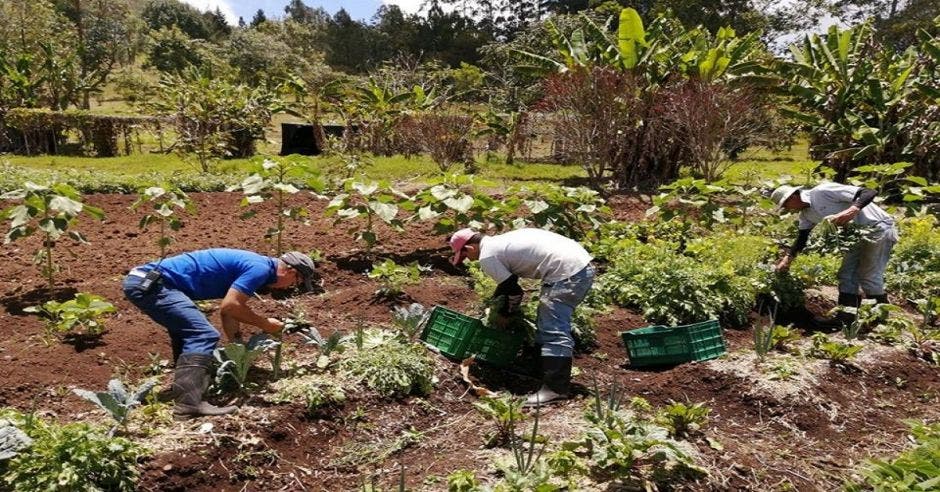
x: 190, y: 382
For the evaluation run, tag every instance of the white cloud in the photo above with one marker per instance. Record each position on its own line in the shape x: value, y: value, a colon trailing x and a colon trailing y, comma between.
x: 211, y: 5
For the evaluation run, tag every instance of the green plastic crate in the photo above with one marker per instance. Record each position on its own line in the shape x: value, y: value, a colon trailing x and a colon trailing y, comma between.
x: 495, y: 346
x: 450, y: 332
x: 458, y: 336
x: 663, y: 345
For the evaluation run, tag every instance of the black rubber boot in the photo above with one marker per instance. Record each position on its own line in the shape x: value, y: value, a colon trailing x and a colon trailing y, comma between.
x: 556, y: 381
x: 882, y: 299
x: 169, y: 394
x: 190, y: 382
x: 852, y: 300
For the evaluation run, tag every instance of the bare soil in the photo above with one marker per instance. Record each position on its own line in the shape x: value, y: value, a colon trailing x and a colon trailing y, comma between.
x: 810, y: 438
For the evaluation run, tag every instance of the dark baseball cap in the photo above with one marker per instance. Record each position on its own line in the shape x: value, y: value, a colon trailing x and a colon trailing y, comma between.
x: 304, y: 266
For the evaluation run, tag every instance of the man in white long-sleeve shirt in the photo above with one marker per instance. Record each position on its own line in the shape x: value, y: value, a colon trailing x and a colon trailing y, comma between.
x: 565, y: 270
x: 863, y: 266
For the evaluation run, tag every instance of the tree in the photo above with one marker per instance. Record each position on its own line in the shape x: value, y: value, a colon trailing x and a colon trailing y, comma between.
x: 161, y: 14
x: 348, y: 43
x: 101, y: 30
x: 216, y: 25
x: 171, y: 51
x: 258, y: 19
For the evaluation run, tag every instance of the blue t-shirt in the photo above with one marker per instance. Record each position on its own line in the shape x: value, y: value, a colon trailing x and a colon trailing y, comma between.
x: 210, y: 273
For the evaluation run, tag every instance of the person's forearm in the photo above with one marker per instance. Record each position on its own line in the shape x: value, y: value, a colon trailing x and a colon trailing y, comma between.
x: 244, y: 314
x: 800, y: 242
x: 231, y: 327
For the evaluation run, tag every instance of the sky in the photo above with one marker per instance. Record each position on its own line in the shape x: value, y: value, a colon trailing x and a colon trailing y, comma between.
x: 358, y: 9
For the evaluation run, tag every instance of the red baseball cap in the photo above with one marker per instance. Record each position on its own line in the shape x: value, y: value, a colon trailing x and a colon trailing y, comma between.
x: 457, y: 241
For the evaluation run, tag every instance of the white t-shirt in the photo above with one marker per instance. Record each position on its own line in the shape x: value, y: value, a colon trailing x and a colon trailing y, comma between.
x: 532, y: 253
x: 831, y: 198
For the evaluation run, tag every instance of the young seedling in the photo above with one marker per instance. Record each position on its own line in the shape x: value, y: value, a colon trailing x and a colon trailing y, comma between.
x: 838, y: 353
x: 235, y: 360
x: 453, y: 203
x: 328, y: 345
x: 83, y: 315
x: 503, y: 411
x: 167, y: 203
x: 681, y: 419
x: 52, y: 211
x: 393, y: 277
x: 117, y: 401
x: 375, y: 201
x: 272, y: 180
x: 409, y: 320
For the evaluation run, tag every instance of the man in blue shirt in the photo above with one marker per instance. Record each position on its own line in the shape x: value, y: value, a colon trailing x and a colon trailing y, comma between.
x: 166, y: 290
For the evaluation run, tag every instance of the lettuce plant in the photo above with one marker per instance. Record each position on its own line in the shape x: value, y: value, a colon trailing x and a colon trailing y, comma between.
x: 390, y: 366
x: 117, y: 401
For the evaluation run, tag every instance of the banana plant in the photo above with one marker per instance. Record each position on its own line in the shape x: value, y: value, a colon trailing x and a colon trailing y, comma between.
x: 167, y: 202
x: 858, y: 101
x: 51, y: 211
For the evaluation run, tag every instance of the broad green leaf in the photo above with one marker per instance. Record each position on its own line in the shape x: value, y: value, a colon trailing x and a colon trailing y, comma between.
x: 427, y: 213
x: 462, y: 204
x: 65, y: 205
x: 385, y: 211
x: 348, y: 213
x: 536, y: 206
x: 93, y: 211
x: 286, y: 188
x: 630, y: 33
x: 441, y: 192
x: 253, y: 199
x: 253, y: 184
x: 365, y: 189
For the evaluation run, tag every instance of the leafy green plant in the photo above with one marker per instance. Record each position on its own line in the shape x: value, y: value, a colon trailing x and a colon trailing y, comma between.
x: 571, y: 212
x: 389, y: 366
x: 273, y: 180
x: 462, y: 481
x: 764, y: 339
x: 12, y: 441
x: 83, y: 315
x: 71, y: 457
x: 167, y: 202
x: 917, y: 468
x: 527, y: 471
x: 393, y: 278
x: 236, y: 359
x: 837, y: 353
x: 328, y: 345
x: 869, y: 317
x: 375, y: 201
x: 409, y: 320
x: 315, y: 391
x: 503, y: 411
x: 914, y: 269
x: 682, y: 420
x: 52, y: 212
x: 830, y: 238
x: 453, y: 202
x: 117, y: 401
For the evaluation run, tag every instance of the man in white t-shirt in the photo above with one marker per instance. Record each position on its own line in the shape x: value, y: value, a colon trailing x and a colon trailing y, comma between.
x: 565, y: 270
x: 864, y: 265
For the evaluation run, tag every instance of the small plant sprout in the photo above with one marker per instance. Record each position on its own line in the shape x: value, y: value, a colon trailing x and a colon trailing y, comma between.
x: 272, y: 181
x: 764, y: 336
x: 118, y: 401
x: 82, y: 316
x: 409, y: 320
x: 167, y: 203
x: 462, y: 481
x: 603, y: 411
x: 235, y: 360
x: 528, y: 470
x: 50, y: 210
x: 838, y: 353
x: 681, y: 419
x: 372, y: 200
x: 502, y: 411
x: 328, y: 345
x: 393, y: 278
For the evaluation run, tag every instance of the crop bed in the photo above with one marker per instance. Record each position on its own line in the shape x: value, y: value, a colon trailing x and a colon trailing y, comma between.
x: 810, y: 432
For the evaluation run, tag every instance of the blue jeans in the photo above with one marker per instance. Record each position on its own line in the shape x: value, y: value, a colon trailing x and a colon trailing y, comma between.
x: 556, y: 306
x: 190, y: 332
